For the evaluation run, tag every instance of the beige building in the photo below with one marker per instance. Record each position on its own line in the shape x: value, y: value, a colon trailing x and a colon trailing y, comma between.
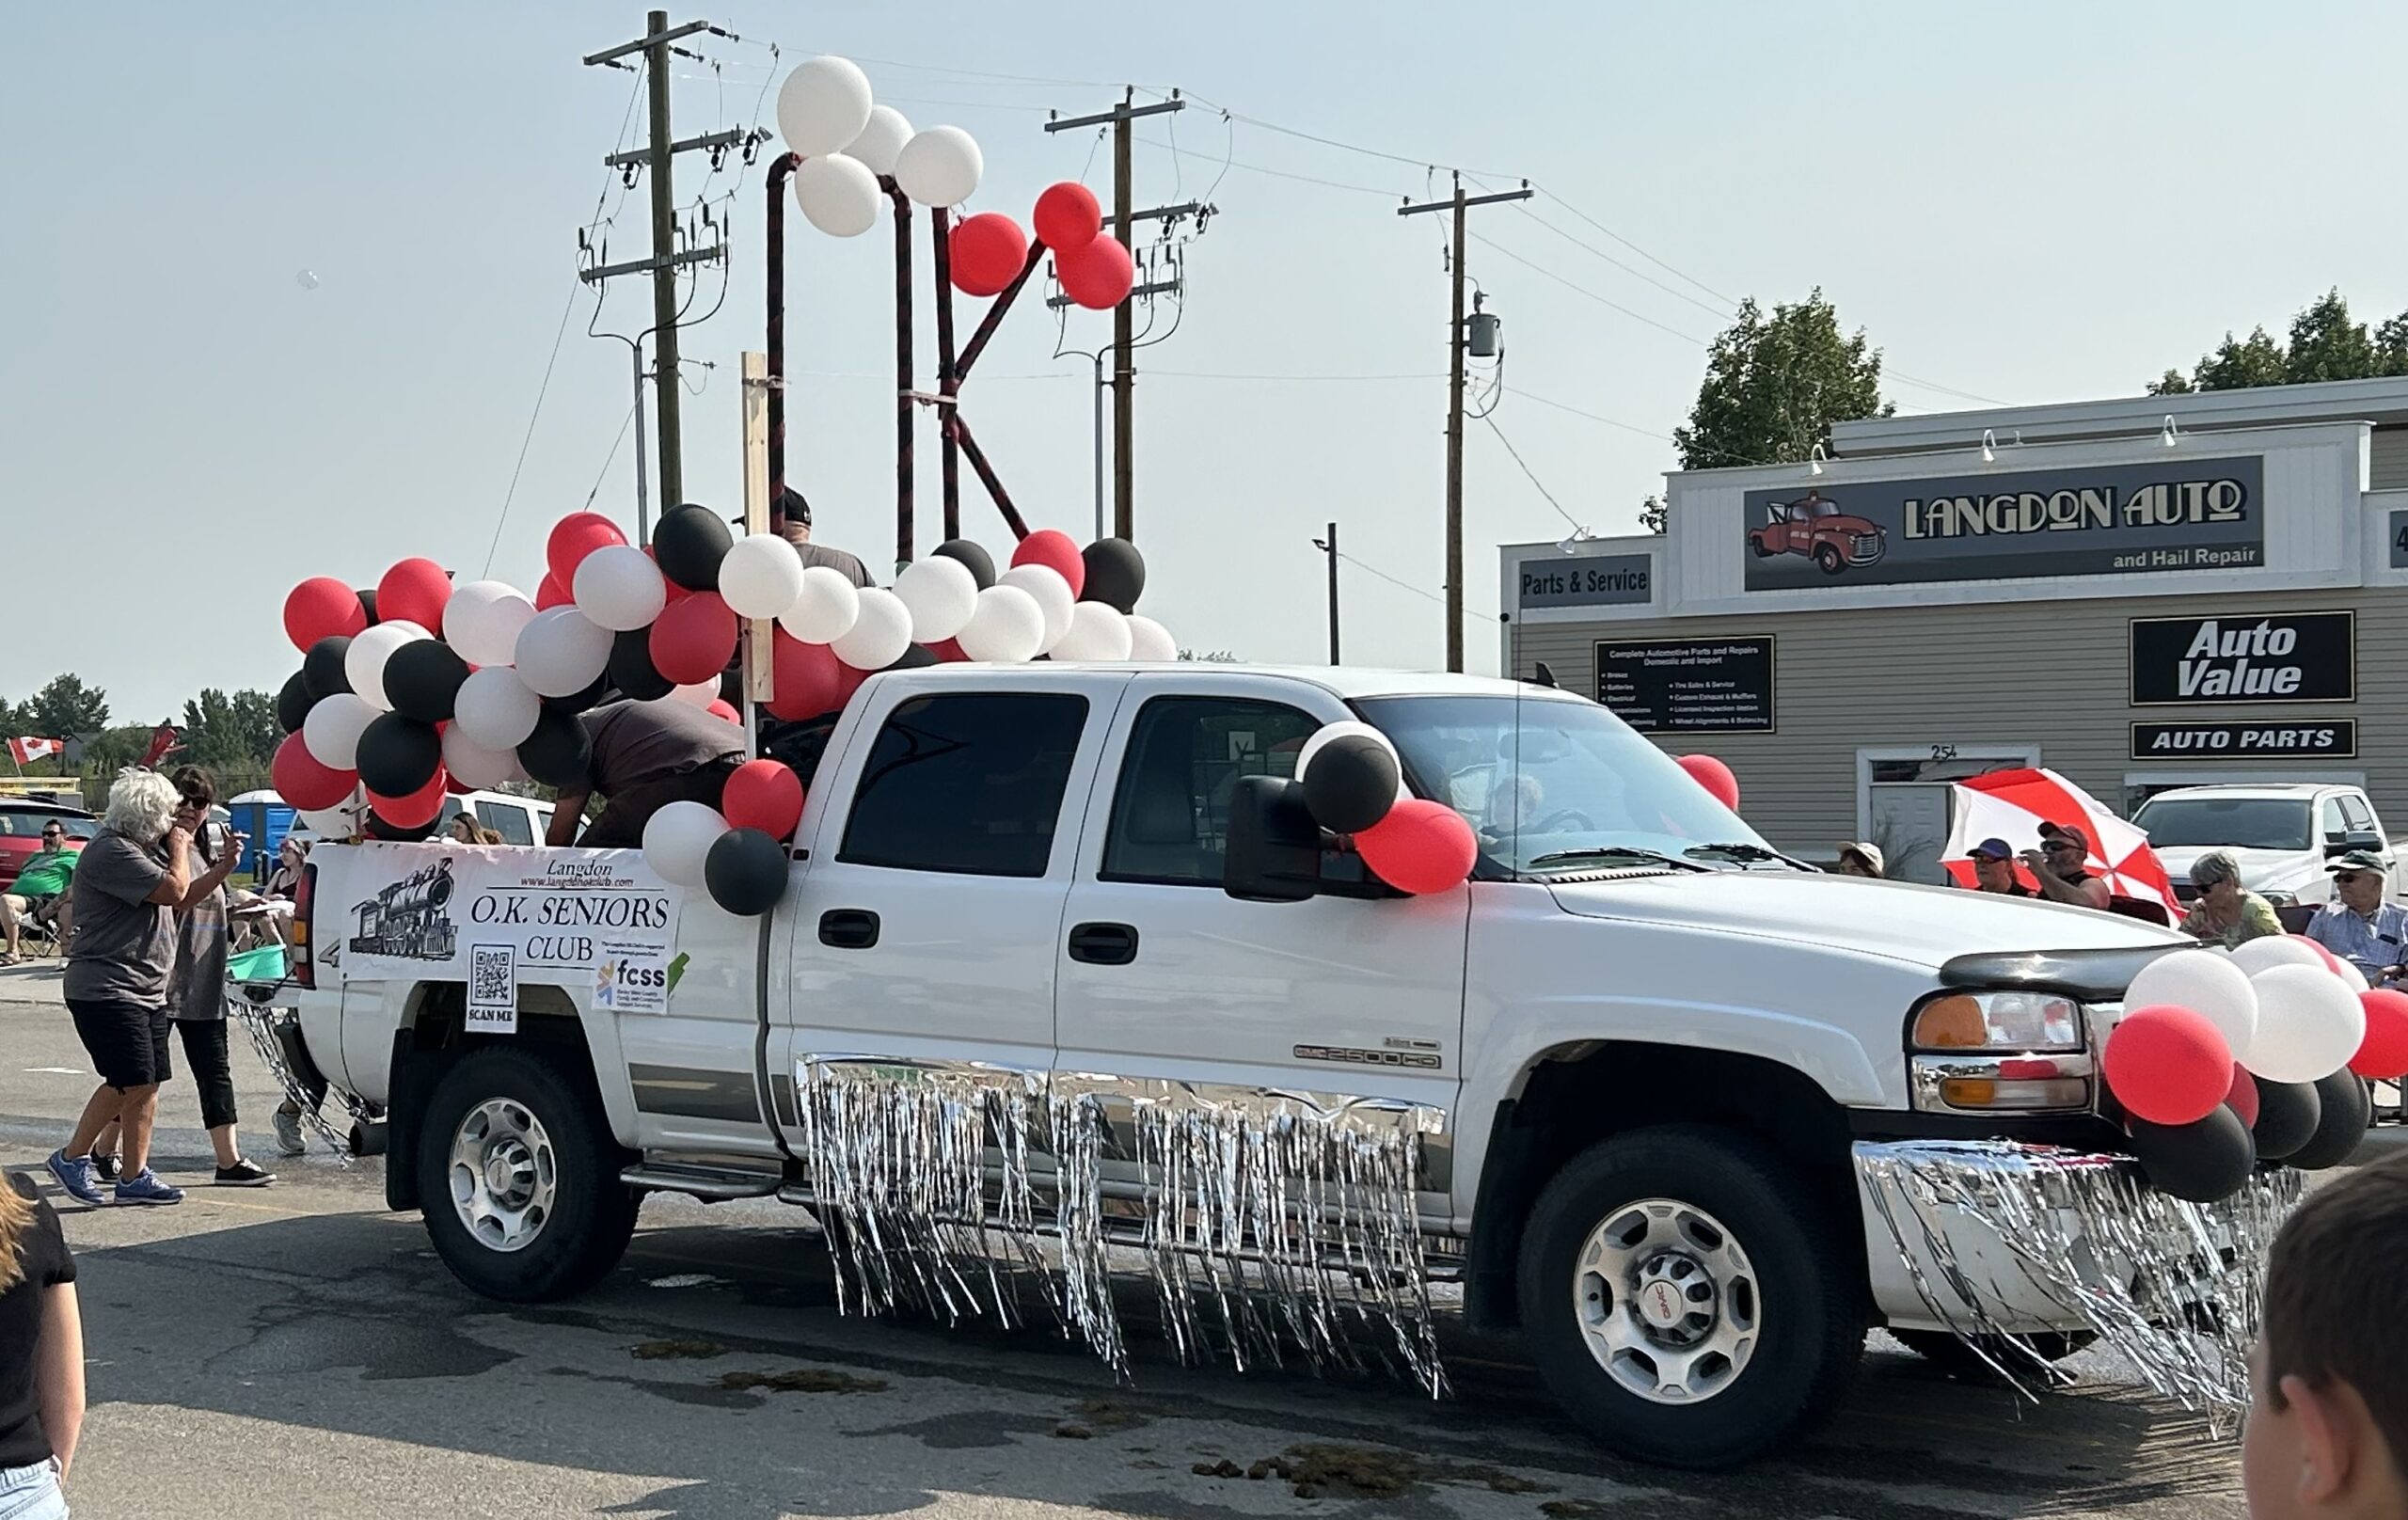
x: 2140, y: 594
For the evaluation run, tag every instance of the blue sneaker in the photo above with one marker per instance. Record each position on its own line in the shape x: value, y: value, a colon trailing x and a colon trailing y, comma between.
x: 74, y: 1174
x: 145, y: 1187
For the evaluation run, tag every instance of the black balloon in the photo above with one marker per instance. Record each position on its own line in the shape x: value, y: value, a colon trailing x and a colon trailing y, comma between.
x: 1350, y: 784
x: 1115, y: 574
x: 981, y: 564
x: 631, y: 669
x: 368, y: 605
x: 293, y: 704
x: 689, y: 542
x: 917, y: 657
x: 322, y: 667
x: 577, y: 702
x: 2341, y: 1128
x: 2202, y: 1163
x: 398, y: 754
x: 421, y: 679
x: 745, y: 872
x: 558, y: 754
x: 2288, y: 1115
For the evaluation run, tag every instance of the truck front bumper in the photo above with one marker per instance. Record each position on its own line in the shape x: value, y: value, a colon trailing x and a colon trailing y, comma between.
x: 1995, y: 1241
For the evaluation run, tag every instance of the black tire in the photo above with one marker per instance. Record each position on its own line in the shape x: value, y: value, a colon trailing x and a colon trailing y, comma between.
x: 1948, y: 1352
x: 1831, y: 560
x: 1762, y: 549
x: 585, y: 1231
x: 1807, y: 1295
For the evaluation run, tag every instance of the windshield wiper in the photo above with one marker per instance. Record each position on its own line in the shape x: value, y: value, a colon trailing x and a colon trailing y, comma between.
x: 1745, y: 852
x: 1619, y: 852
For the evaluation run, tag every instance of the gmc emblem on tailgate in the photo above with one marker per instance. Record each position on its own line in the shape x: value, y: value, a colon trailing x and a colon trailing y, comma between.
x: 1342, y: 1055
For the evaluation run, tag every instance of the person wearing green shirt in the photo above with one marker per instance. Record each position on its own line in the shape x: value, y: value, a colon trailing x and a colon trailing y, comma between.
x: 39, y: 885
x: 2225, y: 914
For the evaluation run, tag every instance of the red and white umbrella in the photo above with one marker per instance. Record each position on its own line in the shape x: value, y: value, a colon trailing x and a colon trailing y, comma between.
x: 2013, y: 805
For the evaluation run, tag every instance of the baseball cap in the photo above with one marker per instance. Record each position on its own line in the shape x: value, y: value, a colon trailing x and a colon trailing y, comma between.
x: 2051, y: 831
x: 2356, y: 860
x: 792, y: 507
x: 1991, y: 850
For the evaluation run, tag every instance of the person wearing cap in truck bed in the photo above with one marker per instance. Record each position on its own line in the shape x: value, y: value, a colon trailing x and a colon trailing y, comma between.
x: 2060, y: 867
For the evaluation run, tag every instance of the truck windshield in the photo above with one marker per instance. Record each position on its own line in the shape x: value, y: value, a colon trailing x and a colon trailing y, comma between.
x: 2235, y: 822
x: 1544, y: 777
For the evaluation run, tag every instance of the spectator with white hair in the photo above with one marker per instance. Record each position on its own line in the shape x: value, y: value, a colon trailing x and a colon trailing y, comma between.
x: 2226, y: 915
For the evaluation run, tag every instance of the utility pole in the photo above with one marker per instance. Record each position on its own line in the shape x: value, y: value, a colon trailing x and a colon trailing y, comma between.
x: 1122, y: 119
x: 1457, y: 346
x: 1329, y: 547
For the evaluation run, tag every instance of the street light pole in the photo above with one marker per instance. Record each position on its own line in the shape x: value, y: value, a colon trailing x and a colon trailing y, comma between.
x: 1329, y: 547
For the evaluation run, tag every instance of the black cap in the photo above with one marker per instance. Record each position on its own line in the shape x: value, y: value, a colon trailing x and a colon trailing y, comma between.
x: 792, y: 507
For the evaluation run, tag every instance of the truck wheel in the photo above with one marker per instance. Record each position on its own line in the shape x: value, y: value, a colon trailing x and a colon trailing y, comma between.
x: 1686, y: 1300
x: 1946, y: 1351
x: 1830, y: 559
x: 518, y: 1178
x: 1763, y: 550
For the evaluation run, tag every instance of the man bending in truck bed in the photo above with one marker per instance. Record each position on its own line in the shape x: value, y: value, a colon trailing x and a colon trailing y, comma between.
x: 646, y: 754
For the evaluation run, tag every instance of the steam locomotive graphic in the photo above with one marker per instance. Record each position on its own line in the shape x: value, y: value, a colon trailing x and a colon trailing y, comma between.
x: 405, y: 918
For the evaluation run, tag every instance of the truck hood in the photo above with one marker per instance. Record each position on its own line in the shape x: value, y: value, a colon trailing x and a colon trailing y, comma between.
x: 2261, y: 870
x: 1921, y: 925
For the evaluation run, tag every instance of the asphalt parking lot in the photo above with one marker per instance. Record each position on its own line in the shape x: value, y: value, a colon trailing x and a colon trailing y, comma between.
x: 298, y: 1351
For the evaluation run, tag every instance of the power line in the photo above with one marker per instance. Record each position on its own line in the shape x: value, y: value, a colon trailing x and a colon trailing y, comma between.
x: 608, y: 459
x: 1582, y: 290
x: 1576, y: 524
x: 540, y: 391
x: 1723, y: 311
x: 1406, y: 585
x: 1727, y: 301
x: 1593, y: 417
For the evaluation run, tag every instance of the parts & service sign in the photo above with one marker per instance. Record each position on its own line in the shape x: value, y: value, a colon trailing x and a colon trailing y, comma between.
x: 449, y: 912
x: 2178, y: 514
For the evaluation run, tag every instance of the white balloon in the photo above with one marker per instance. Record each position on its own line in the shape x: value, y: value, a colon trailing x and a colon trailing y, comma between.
x: 331, y: 731
x: 1343, y: 729
x: 825, y: 610
x: 363, y: 663
x: 340, y: 821
x: 473, y: 764
x: 940, y: 166
x: 482, y: 621
x: 823, y: 105
x: 1148, y: 640
x: 880, y: 140
x: 698, y: 694
x: 1006, y: 627
x: 1097, y: 632
x: 940, y: 592
x: 2355, y: 979
x: 879, y: 635
x: 678, y: 838
x: 619, y: 588
x: 2309, y: 1024
x: 760, y: 577
x: 1053, y: 596
x: 2266, y: 953
x: 561, y: 650
x: 2206, y: 982
x: 494, y: 708
x: 838, y: 195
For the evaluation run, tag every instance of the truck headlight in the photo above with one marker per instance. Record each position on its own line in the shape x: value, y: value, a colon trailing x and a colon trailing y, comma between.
x: 2280, y: 899
x: 1992, y: 1052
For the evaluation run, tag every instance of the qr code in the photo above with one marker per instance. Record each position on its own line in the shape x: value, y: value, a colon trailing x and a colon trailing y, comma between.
x: 492, y: 979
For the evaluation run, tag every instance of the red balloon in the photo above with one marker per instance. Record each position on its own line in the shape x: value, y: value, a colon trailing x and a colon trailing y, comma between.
x: 948, y: 650
x: 414, y: 591
x: 551, y: 593
x: 1098, y: 277
x: 2384, y: 1054
x: 306, y: 782
x: 693, y: 640
x: 322, y: 608
x: 2242, y: 1099
x: 1068, y: 217
x: 417, y: 809
x: 721, y: 707
x: 763, y: 795
x: 1713, y: 776
x: 1057, y: 551
x: 573, y: 538
x: 848, y: 680
x: 1421, y: 846
x: 2167, y: 1064
x: 676, y: 592
x: 805, y: 680
x: 987, y: 253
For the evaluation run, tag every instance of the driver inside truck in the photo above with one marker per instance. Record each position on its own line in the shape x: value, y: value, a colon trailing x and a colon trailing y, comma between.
x: 646, y: 754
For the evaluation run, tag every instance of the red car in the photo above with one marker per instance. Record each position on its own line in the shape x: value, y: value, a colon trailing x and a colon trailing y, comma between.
x: 1815, y: 526
x: 20, y: 826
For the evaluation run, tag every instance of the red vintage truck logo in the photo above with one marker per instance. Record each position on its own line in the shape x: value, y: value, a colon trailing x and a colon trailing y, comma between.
x: 1815, y: 526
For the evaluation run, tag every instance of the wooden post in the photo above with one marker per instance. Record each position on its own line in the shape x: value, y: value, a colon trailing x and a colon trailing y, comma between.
x: 758, y: 632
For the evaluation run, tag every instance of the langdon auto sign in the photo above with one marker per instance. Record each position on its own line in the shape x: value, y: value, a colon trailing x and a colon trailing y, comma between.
x: 2280, y: 657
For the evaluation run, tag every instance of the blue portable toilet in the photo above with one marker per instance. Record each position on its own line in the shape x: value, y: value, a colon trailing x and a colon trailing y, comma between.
x: 266, y: 819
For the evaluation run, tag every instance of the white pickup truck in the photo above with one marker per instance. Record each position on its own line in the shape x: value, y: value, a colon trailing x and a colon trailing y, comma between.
x: 2283, y: 835
x: 1638, y: 1056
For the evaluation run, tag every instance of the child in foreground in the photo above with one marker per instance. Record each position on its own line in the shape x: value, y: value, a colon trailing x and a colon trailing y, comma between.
x: 2328, y: 1419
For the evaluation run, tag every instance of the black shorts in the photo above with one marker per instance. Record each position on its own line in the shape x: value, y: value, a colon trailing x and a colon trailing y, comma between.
x: 127, y: 1044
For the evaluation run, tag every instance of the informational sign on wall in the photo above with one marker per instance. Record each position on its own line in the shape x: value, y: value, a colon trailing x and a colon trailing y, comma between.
x: 1590, y: 581
x: 2400, y: 541
x: 2179, y: 514
x: 2333, y: 740
x: 1688, y: 686
x: 2245, y: 656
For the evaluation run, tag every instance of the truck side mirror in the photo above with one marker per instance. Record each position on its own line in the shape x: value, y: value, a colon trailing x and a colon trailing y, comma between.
x: 1274, y: 847
x: 2356, y: 839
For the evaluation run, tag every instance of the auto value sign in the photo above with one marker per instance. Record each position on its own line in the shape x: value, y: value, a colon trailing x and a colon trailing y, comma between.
x: 2178, y: 513
x: 2336, y: 740
x: 2278, y: 656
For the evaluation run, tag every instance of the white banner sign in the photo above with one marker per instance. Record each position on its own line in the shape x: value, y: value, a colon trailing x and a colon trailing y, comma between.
x: 496, y: 918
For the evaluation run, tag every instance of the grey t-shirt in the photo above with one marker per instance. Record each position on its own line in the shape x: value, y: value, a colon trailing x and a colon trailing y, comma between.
x: 197, y: 990
x: 124, y: 946
x: 635, y: 742
x: 848, y: 565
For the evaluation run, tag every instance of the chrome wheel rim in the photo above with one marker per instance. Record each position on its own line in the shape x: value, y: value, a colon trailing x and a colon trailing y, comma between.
x: 1667, y: 1301
x: 503, y: 1174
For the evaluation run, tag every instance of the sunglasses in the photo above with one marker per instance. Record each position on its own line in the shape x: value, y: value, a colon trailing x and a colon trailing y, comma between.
x: 200, y: 802
x: 54, y: 833
x: 2060, y: 846
x: 2348, y: 879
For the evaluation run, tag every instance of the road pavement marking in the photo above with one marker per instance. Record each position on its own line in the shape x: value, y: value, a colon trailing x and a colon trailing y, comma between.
x: 58, y: 1070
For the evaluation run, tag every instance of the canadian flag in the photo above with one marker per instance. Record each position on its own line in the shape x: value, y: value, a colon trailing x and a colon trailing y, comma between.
x: 26, y: 751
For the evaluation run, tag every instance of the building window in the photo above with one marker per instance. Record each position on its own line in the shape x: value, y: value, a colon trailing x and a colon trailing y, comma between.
x: 1170, y: 810
x: 969, y: 783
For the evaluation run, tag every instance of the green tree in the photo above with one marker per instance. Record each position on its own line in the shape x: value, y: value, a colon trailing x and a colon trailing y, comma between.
x: 1652, y: 514
x: 2171, y: 382
x: 232, y: 734
x: 2236, y: 364
x: 2327, y: 345
x: 2391, y: 346
x: 12, y: 719
x: 66, y: 709
x: 1209, y: 657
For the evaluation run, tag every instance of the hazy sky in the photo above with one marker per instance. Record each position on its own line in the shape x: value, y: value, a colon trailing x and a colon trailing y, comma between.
x: 2030, y: 202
